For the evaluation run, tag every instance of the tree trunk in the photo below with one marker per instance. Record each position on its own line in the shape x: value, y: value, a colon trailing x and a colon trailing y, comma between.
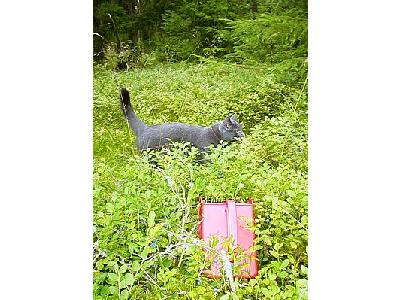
x: 253, y: 6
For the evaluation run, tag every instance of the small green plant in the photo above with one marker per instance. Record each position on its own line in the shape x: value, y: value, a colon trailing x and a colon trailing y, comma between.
x: 145, y: 206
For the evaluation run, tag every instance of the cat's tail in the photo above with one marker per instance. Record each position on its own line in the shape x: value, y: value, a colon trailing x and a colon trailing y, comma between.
x: 125, y: 101
x: 135, y: 123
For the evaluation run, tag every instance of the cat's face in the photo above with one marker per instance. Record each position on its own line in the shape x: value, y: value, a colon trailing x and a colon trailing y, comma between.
x: 231, y: 129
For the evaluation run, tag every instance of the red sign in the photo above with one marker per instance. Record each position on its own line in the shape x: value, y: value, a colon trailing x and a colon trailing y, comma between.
x: 228, y: 227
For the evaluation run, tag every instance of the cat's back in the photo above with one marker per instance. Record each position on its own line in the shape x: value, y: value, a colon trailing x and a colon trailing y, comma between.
x: 177, y: 130
x: 160, y: 135
x: 177, y: 125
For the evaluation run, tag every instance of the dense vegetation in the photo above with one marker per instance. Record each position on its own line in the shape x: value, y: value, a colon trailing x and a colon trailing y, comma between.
x: 196, y: 62
x: 141, y: 33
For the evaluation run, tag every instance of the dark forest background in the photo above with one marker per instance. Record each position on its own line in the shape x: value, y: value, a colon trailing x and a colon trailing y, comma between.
x: 141, y: 33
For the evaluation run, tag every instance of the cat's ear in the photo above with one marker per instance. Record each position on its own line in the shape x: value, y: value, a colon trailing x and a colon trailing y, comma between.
x: 228, y: 120
x: 233, y: 119
x: 226, y: 124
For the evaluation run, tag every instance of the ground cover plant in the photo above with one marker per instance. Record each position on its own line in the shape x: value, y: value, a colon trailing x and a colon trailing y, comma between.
x: 145, y: 215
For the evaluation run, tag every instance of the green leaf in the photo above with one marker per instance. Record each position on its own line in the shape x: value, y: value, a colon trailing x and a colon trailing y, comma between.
x: 285, y: 263
x: 265, y: 292
x: 283, y: 274
x: 123, y: 269
x: 113, y: 278
x: 166, y: 263
x: 113, y: 290
x: 302, y: 282
x: 109, y: 207
x: 124, y: 295
x: 129, y: 279
x: 155, y: 229
x: 143, y: 255
x: 150, y: 220
x: 123, y: 284
x: 234, y: 296
x: 135, y: 266
x: 224, y: 297
x: 304, y: 269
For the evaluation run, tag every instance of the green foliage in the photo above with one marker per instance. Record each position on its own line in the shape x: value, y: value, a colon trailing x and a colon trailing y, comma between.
x: 184, y: 30
x: 191, y: 26
x: 268, y: 38
x: 126, y: 57
x: 145, y: 214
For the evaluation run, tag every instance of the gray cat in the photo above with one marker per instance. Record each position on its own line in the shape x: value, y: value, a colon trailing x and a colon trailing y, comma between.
x: 159, y: 136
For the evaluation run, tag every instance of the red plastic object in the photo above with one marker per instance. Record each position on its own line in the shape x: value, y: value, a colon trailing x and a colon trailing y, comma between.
x: 229, y: 220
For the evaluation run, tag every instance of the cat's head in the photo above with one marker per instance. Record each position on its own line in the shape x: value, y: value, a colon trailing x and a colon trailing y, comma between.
x: 230, y: 129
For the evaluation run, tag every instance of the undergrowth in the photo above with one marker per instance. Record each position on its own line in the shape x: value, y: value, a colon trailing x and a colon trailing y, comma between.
x: 145, y: 214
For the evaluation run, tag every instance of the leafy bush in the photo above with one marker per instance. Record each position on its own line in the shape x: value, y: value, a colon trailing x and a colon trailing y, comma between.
x: 268, y: 38
x: 193, y: 26
x: 145, y: 214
